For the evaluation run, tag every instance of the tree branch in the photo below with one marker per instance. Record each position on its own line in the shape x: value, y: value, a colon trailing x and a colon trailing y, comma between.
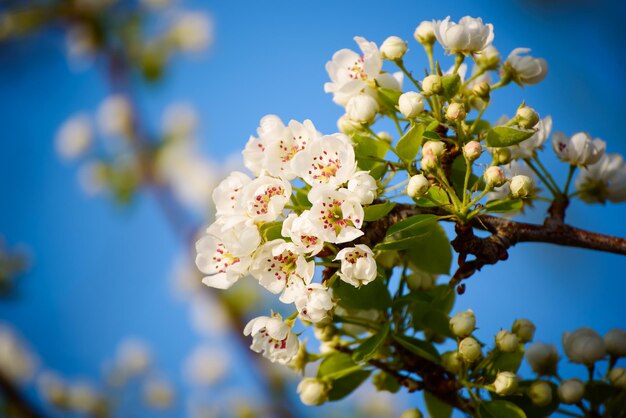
x: 17, y: 403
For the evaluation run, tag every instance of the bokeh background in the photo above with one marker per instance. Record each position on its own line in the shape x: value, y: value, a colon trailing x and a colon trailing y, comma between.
x: 100, y: 272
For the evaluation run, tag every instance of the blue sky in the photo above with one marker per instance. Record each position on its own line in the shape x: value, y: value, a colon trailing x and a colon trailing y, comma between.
x: 101, y: 272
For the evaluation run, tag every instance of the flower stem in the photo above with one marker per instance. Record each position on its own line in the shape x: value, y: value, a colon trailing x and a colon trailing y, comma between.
x: 572, y: 169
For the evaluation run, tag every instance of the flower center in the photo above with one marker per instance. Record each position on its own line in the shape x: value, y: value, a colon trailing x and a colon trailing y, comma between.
x: 222, y: 259
x: 261, y: 202
x: 356, y: 71
x: 325, y: 166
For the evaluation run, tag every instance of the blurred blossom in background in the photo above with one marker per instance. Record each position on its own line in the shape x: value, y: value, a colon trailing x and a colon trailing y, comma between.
x: 120, y: 117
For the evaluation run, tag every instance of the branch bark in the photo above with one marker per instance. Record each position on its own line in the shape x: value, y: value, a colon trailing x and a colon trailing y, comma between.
x: 15, y: 400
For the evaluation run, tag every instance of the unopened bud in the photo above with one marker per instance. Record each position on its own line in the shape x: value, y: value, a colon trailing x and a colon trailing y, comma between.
x: 500, y: 156
x: 543, y: 358
x: 463, y: 323
x: 432, y: 84
x: 347, y: 125
x: 325, y: 333
x: 452, y: 362
x: 469, y: 350
x: 617, y: 377
x: 521, y: 186
x: 488, y: 58
x: 393, y: 48
x: 540, y: 393
x: 411, y: 104
x: 615, y: 342
x: 420, y: 281
x: 412, y: 413
x: 506, y: 341
x: 482, y: 90
x: 418, y: 185
x: 472, y: 150
x: 494, y: 176
x: 524, y: 329
x: 425, y: 33
x: 362, y: 109
x: 583, y: 346
x: 571, y: 391
x: 385, y: 136
x: 456, y: 112
x: 429, y: 162
x: 526, y: 117
x: 313, y: 391
x: 506, y: 383
x: 434, y: 148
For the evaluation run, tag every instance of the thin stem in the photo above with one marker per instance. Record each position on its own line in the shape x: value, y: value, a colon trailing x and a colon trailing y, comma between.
x: 468, y: 173
x: 480, y: 115
x: 480, y: 72
x: 530, y: 165
x: 572, y: 169
x: 549, y: 177
x: 458, y: 60
x: 429, y: 52
x: 396, y: 186
x: 397, y: 123
x: 357, y: 321
x: 406, y: 72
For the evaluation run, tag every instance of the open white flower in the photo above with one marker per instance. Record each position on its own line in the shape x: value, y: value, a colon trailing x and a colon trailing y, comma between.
x: 206, y: 365
x: 352, y: 73
x: 279, y: 266
x: 363, y: 186
x: 328, y: 160
x: 336, y: 215
x: 264, y: 198
x: 226, y: 194
x: 302, y: 233
x: 604, y: 180
x: 468, y: 36
x: 580, y: 149
x: 254, y: 154
x: 314, y: 303
x: 74, y: 137
x: 525, y: 69
x: 273, y: 337
x: 358, y: 266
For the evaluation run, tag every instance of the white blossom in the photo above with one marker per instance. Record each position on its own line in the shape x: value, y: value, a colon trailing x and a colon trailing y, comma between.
x: 192, y: 31
x: 425, y: 33
x: 543, y: 358
x: 363, y: 186
x: 264, y: 198
x: 115, y: 115
x: 525, y: 69
x: 393, y: 48
x: 74, y: 137
x: 206, y: 365
x: 180, y: 120
x: 279, y: 266
x: 411, y: 104
x: 313, y: 391
x: 604, y: 180
x: 158, y: 393
x: 273, y: 337
x: 468, y: 36
x: 362, y: 108
x: 580, y: 149
x: 358, y: 266
x: 314, y: 303
x: 521, y: 186
x: 352, y: 73
x: 302, y: 233
x: 462, y: 324
x: 418, y: 186
x: 83, y: 398
x: 336, y: 215
x: 133, y: 357
x: 583, y: 346
x: 226, y: 194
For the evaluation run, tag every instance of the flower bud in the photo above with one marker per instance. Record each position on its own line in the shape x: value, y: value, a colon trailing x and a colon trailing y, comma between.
x: 540, y: 393
x: 393, y: 48
x: 617, y: 377
x: 411, y: 104
x: 456, y: 112
x: 506, y: 383
x: 434, y: 148
x: 324, y: 333
x: 313, y: 391
x: 488, y: 58
x: 472, y: 150
x: 412, y: 413
x: 524, y: 329
x: 583, y: 346
x: 432, y: 84
x: 463, y: 323
x: 506, y: 341
x: 494, y: 176
x: 347, y: 125
x: 482, y: 90
x: 429, y: 162
x: 543, y: 358
x: 500, y: 156
x: 521, y: 186
x: 571, y: 391
x: 418, y: 186
x: 615, y: 342
x: 469, y: 350
x: 452, y: 362
x: 425, y: 33
x: 385, y: 136
x: 527, y: 117
x: 421, y: 281
x: 362, y: 108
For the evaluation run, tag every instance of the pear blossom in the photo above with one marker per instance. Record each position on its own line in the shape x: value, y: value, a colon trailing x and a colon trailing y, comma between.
x: 242, y: 237
x: 302, y: 233
x: 180, y: 120
x: 488, y: 58
x: 74, y: 137
x: 206, y: 365
x: 580, y: 149
x: 115, y: 115
x: 583, y: 346
x: 313, y: 391
x: 314, y: 303
x: 273, y: 337
x: 336, y: 215
x: 425, y: 33
x: 352, y: 73
x: 525, y: 70
x: 506, y: 383
x: 604, y: 180
x: 393, y: 48
x: 280, y: 267
x: 17, y: 362
x: 329, y: 160
x: 226, y: 194
x: 270, y: 128
x: 363, y: 186
x: 418, y: 186
x: 158, y: 393
x: 358, y: 266
x: 192, y: 31
x: 264, y: 198
x: 470, y: 35
x: 362, y: 108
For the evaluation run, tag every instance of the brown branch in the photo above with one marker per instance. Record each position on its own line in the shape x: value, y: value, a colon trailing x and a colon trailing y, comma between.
x: 16, y: 402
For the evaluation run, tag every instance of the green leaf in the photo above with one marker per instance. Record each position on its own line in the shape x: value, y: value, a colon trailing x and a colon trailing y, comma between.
x: 374, y: 295
x: 412, y: 222
x: 271, y: 230
x: 337, y: 365
x: 369, y: 151
x: 443, y: 297
x: 369, y: 348
x: 524, y: 402
x: 418, y: 347
x: 498, y: 361
x: 451, y: 85
x: 375, y: 212
x: 438, y: 322
x: 377, y: 170
x: 346, y: 385
x: 504, y: 205
x: 389, y: 98
x: 300, y: 197
x: 384, y: 381
x: 435, y: 193
x: 481, y: 126
x: 409, y: 144
x: 435, y: 407
x: 499, y: 409
x: 433, y: 253
x: 431, y: 136
x: 401, y: 243
x: 505, y: 136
